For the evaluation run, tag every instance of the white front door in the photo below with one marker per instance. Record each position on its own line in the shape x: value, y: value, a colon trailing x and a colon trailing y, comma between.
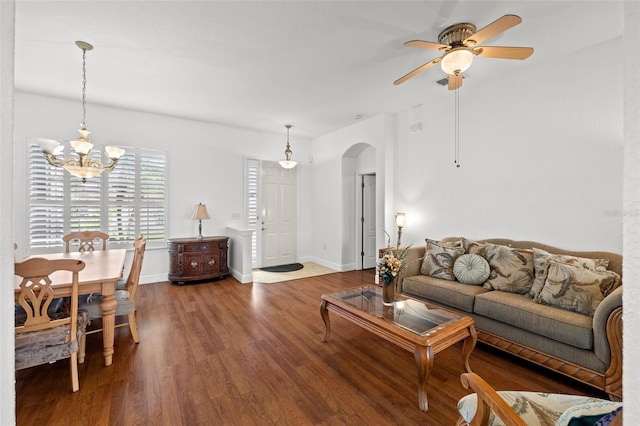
x: 369, y: 249
x: 279, y: 216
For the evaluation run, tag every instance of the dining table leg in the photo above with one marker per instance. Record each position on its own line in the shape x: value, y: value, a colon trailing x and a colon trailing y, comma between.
x: 108, y: 307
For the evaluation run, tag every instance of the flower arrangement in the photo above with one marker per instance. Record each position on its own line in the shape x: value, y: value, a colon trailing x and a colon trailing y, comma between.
x: 389, y: 266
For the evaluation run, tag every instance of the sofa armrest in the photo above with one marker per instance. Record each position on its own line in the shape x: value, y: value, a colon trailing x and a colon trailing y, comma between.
x: 413, y: 262
x: 601, y: 316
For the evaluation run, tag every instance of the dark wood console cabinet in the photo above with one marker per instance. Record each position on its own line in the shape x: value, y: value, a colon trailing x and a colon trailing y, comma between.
x: 198, y: 259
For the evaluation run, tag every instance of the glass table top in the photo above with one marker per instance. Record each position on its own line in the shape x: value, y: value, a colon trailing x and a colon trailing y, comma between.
x: 413, y: 315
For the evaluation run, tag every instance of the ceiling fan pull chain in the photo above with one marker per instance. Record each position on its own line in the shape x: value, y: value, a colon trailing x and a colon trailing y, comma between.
x: 457, y: 128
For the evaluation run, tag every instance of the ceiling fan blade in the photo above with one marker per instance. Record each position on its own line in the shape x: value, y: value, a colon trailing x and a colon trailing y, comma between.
x: 455, y: 81
x: 416, y: 71
x: 503, y: 52
x: 427, y: 45
x: 493, y: 29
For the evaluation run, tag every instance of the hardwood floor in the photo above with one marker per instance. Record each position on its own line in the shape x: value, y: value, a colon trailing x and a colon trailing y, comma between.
x: 226, y: 353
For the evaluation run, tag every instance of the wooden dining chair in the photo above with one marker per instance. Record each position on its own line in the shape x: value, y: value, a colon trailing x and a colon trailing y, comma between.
x: 44, y: 338
x: 86, y: 240
x: 125, y: 296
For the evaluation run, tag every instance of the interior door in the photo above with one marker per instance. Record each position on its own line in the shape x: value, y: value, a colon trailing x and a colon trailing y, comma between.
x: 369, y: 249
x: 279, y: 215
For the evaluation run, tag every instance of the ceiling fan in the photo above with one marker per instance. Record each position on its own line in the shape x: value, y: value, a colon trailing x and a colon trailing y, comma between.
x: 460, y: 44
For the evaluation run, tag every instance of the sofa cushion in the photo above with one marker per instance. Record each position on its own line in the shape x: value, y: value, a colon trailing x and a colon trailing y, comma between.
x: 449, y: 293
x: 439, y: 259
x: 511, y: 269
x: 518, y: 310
x: 541, y: 261
x: 471, y: 269
x: 575, y: 288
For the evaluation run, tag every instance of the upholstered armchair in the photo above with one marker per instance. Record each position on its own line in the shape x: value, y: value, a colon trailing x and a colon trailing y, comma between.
x: 487, y: 407
x: 42, y: 338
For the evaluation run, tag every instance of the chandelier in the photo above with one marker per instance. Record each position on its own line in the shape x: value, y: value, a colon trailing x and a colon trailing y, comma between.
x: 82, y: 165
x: 288, y: 163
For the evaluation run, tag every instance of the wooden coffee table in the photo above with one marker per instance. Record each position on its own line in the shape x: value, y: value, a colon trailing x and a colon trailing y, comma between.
x: 418, y: 327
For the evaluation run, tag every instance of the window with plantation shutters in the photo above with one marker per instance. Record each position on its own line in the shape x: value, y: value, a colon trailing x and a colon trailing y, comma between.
x: 121, y: 183
x: 253, y: 170
x: 152, y: 218
x: 125, y: 202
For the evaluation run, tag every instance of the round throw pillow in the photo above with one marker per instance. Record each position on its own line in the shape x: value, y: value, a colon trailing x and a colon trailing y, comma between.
x: 471, y: 269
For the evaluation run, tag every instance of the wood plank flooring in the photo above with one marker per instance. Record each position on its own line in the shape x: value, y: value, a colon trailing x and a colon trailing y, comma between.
x: 225, y: 353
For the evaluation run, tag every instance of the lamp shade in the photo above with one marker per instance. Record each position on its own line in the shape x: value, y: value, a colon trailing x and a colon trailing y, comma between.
x: 201, y: 212
x: 400, y: 217
x: 457, y: 60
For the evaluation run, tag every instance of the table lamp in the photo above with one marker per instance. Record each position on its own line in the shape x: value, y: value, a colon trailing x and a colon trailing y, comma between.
x: 201, y: 213
x: 399, y: 223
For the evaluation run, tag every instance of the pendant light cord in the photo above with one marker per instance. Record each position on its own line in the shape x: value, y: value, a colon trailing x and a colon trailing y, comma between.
x: 84, y: 87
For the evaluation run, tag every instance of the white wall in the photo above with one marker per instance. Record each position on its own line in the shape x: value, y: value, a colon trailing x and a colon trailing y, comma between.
x: 332, y: 188
x: 631, y: 266
x: 7, y: 373
x: 205, y: 163
x: 540, y: 154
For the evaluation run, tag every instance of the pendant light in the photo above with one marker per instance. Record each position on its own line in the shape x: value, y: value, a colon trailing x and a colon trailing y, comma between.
x: 288, y: 163
x: 82, y: 166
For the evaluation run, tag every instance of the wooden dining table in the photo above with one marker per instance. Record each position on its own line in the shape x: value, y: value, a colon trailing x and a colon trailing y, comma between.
x: 103, y: 269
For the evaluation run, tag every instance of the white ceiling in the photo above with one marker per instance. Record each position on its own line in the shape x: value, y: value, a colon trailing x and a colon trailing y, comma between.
x: 262, y: 64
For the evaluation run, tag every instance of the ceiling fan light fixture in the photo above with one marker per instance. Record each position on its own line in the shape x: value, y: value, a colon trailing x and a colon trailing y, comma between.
x: 457, y: 60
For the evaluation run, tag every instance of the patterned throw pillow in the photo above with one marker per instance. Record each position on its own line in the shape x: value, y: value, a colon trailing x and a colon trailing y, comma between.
x: 439, y: 259
x: 511, y: 269
x: 471, y: 269
x: 474, y: 247
x: 575, y: 288
x: 541, y: 261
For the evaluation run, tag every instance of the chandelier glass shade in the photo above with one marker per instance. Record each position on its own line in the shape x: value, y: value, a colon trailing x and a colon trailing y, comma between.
x: 82, y: 165
x: 288, y: 163
x: 457, y: 60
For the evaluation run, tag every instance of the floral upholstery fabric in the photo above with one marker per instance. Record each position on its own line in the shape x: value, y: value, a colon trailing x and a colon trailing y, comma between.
x: 44, y: 346
x: 439, y: 259
x: 511, y: 268
x: 575, y: 288
x: 541, y: 261
x: 534, y: 408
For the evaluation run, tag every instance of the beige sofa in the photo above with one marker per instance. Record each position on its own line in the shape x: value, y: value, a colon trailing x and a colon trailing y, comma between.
x: 584, y: 347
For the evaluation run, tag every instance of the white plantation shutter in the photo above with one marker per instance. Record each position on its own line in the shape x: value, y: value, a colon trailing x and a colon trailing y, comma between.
x: 253, y: 173
x: 84, y: 207
x: 127, y: 201
x: 122, y: 196
x: 46, y: 212
x: 152, y: 201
